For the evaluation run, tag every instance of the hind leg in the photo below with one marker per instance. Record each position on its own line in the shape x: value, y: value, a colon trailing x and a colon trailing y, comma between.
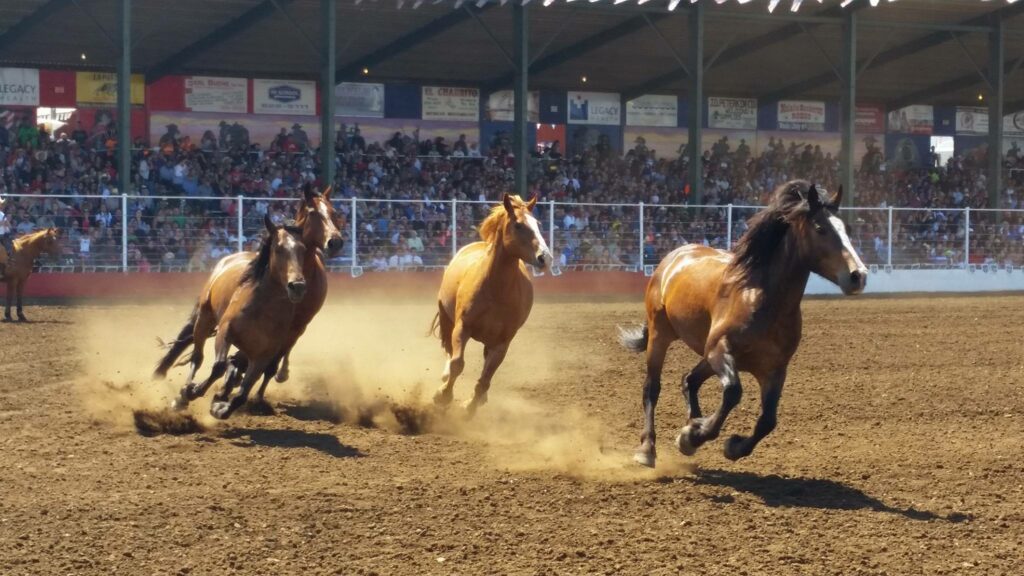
x: 220, y: 365
x: 21, y: 293
x: 657, y: 345
x: 456, y: 363
x: 201, y: 330
x: 237, y: 365
x: 737, y: 446
x: 700, y: 430
x: 690, y: 389
x: 10, y: 299
x: 493, y: 357
x: 224, y: 409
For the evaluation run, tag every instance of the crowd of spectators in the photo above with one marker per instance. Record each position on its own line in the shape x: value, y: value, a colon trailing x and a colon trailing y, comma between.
x: 406, y: 184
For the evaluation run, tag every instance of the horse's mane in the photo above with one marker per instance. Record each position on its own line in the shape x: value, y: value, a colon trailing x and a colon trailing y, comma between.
x: 31, y: 237
x: 767, y: 229
x: 492, y: 225
x: 257, y: 269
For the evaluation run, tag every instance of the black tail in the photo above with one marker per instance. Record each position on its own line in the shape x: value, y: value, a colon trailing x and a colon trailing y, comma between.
x: 175, y: 348
x: 634, y: 339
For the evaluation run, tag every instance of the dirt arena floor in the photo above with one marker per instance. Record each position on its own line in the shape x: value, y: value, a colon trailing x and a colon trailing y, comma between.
x: 899, y: 451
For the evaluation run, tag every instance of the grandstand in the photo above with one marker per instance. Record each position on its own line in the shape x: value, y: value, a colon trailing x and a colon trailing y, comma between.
x: 230, y: 103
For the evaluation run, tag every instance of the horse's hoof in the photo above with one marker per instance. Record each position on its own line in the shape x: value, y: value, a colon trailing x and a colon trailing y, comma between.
x: 281, y: 377
x: 734, y: 447
x: 684, y: 443
x: 220, y: 410
x: 443, y: 398
x: 179, y: 404
x: 644, y: 458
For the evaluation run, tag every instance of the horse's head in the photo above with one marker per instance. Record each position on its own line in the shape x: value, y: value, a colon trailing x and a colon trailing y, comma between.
x: 823, y: 242
x: 522, y: 237
x: 51, y: 242
x: 286, y: 255
x: 319, y: 222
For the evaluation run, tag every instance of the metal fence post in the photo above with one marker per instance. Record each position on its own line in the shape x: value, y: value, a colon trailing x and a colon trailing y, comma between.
x: 353, y: 231
x: 455, y: 228
x: 641, y: 206
x: 551, y: 226
x: 241, y: 209
x: 967, y: 236
x: 124, y: 233
x: 728, y: 224
x: 888, y: 256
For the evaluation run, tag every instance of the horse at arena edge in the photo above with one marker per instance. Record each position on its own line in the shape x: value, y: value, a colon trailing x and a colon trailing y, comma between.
x: 26, y: 249
x: 740, y: 311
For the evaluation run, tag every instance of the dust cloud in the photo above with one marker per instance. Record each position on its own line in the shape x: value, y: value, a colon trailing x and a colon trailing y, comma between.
x: 370, y: 362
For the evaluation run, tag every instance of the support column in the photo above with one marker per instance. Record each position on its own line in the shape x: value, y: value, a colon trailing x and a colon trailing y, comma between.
x: 696, y: 103
x: 848, y: 108
x: 996, y: 69
x: 328, y: 15
x: 521, y: 136
x: 124, y: 101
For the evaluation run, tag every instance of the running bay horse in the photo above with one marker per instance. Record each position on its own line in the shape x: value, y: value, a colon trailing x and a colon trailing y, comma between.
x: 486, y: 293
x: 740, y: 311
x: 19, y: 265
x: 320, y: 234
x: 250, y: 307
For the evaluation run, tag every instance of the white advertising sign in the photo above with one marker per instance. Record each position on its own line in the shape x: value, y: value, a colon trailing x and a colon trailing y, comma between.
x: 501, y: 106
x: 444, y: 103
x: 211, y: 94
x: 359, y: 99
x: 916, y: 119
x: 594, y: 108
x: 1013, y: 124
x: 653, y: 110
x: 19, y: 87
x: 732, y: 113
x: 971, y: 120
x: 801, y: 115
x: 284, y: 97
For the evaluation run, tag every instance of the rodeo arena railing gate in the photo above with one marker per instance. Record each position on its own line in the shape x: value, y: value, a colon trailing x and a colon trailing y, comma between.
x: 130, y: 233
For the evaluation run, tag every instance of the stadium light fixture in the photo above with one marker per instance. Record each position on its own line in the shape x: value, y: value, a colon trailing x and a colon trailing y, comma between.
x: 83, y: 55
x: 617, y: 2
x: 417, y: 4
x: 482, y: 3
x: 672, y: 4
x: 549, y: 2
x: 772, y: 5
x: 459, y: 3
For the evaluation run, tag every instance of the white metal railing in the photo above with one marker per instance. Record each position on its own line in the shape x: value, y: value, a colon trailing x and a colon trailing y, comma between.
x: 173, y: 233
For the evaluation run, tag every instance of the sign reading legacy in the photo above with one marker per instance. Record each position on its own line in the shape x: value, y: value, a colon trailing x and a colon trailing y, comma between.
x: 801, y: 115
x: 653, y: 110
x: 732, y: 113
x: 210, y: 94
x: 101, y: 88
x: 19, y: 87
x: 296, y: 97
x: 359, y: 99
x: 443, y: 103
x: 594, y: 108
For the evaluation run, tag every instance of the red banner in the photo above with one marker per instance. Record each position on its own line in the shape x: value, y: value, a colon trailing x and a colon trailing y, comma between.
x: 870, y: 119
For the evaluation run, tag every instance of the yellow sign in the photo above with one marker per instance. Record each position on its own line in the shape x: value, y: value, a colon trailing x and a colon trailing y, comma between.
x: 101, y: 88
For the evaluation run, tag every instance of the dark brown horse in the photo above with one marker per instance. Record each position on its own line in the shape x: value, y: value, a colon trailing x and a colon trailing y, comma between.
x: 486, y: 293
x: 741, y: 311
x: 251, y: 308
x: 319, y: 224
x: 19, y: 265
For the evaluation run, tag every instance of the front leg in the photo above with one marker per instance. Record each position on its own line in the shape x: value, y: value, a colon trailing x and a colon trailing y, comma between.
x: 456, y: 363
x: 10, y: 300
x: 737, y: 446
x: 21, y: 293
x: 696, y: 433
x: 493, y: 357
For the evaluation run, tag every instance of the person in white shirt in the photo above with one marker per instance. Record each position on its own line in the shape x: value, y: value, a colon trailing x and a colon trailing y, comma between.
x: 5, y: 237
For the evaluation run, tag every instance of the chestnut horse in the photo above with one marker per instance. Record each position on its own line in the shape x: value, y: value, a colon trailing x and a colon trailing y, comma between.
x: 318, y: 221
x: 250, y: 307
x: 486, y: 293
x: 740, y: 311
x: 19, y: 265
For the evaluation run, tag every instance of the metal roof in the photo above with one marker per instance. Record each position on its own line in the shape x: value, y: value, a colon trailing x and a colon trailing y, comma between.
x: 615, y: 46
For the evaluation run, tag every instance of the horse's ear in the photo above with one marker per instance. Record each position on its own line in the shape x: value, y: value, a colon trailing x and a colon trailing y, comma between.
x: 813, y: 198
x: 269, y: 224
x: 836, y: 200
x: 327, y: 194
x: 308, y: 193
x: 531, y: 203
x: 509, y: 207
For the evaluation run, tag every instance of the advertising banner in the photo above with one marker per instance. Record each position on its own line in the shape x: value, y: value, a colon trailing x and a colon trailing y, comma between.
x: 653, y: 110
x: 444, y: 103
x: 971, y: 120
x: 359, y: 100
x: 594, y: 108
x: 732, y: 113
x: 501, y: 106
x: 19, y: 87
x: 1013, y: 124
x: 870, y: 119
x: 295, y: 97
x: 915, y: 119
x: 210, y: 94
x: 101, y: 88
x: 801, y: 115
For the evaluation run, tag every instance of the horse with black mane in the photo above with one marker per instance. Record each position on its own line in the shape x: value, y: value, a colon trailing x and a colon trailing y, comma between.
x: 740, y: 311
x: 18, y: 264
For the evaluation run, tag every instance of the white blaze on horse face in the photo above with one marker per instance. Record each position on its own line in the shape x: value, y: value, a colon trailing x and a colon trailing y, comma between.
x: 542, y: 245
x: 328, y: 222
x: 851, y: 257
x: 847, y: 245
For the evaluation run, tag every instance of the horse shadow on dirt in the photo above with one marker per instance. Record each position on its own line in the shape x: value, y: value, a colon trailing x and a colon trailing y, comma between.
x: 274, y: 438
x: 777, y: 491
